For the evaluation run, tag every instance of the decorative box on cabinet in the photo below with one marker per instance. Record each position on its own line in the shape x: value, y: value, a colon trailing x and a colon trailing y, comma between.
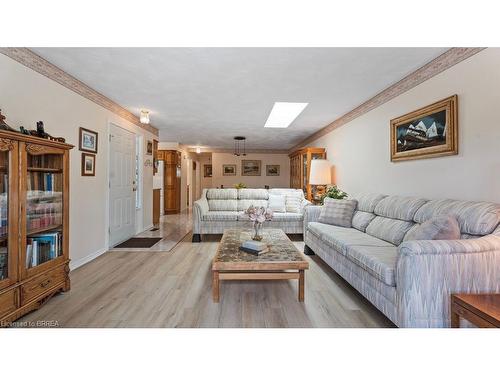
x: 300, y: 168
x: 34, y: 222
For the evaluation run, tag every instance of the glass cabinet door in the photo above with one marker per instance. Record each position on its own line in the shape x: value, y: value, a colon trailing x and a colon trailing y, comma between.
x: 8, y: 200
x: 44, y: 185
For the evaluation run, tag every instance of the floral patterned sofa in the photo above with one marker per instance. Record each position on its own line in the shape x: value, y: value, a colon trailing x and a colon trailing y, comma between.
x: 410, y: 281
x: 220, y: 209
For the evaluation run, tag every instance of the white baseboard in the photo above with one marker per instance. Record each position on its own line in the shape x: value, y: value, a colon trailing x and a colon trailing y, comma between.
x: 74, y: 264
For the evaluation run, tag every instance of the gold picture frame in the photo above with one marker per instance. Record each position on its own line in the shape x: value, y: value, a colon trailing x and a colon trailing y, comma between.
x: 229, y: 169
x: 428, y: 132
x: 251, y: 167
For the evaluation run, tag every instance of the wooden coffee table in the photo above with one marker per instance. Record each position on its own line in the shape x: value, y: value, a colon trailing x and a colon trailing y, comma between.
x: 482, y: 310
x: 282, y: 262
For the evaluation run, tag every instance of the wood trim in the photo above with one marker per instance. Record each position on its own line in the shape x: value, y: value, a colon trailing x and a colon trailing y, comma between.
x: 231, y: 151
x: 259, y: 276
x: 35, y: 62
x: 445, y: 61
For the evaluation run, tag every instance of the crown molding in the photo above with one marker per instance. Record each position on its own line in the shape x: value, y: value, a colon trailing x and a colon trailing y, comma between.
x: 231, y: 151
x: 445, y: 61
x: 37, y: 63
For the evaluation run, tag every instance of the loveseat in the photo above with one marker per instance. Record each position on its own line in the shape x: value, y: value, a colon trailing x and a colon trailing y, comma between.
x: 410, y: 281
x: 220, y: 209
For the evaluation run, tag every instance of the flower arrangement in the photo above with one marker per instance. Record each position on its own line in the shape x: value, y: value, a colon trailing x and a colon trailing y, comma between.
x: 334, y: 192
x: 258, y: 215
x: 240, y: 185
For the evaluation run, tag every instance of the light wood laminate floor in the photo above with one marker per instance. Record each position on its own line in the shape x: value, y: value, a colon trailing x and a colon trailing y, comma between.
x: 173, y: 289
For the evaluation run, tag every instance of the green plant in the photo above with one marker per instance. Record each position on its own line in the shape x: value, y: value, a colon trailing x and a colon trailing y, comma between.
x: 240, y: 185
x: 334, y: 192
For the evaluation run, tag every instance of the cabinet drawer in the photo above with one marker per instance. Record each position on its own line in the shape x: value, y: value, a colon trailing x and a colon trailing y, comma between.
x: 8, y: 302
x: 39, y: 285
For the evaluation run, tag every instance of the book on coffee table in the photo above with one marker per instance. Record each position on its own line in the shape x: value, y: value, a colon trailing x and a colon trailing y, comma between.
x: 254, y: 247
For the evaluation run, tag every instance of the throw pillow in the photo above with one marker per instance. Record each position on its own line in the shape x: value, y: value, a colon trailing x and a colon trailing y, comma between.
x: 338, y: 212
x: 277, y: 203
x: 442, y: 227
x: 293, y: 203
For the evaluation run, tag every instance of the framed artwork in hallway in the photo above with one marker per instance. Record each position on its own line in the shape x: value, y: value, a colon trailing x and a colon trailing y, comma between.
x: 428, y: 132
x: 251, y: 167
x: 229, y: 169
x: 87, y: 140
x: 88, y: 164
x: 207, y: 170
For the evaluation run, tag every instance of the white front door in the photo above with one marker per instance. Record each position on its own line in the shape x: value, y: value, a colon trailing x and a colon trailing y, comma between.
x: 121, y: 185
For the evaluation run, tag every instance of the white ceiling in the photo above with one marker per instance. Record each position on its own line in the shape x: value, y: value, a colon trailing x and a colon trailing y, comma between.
x: 206, y: 96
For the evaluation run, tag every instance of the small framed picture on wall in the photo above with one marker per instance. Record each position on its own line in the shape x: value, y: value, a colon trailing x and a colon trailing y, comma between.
x: 87, y: 140
x: 272, y: 170
x: 149, y: 148
x: 207, y: 170
x: 229, y: 170
x: 88, y: 164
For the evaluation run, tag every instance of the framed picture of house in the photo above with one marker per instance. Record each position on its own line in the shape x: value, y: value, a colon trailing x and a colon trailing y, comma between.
x: 87, y: 140
x: 229, y: 169
x: 207, y: 170
x: 251, y: 167
x: 272, y: 170
x: 88, y: 164
x: 428, y: 132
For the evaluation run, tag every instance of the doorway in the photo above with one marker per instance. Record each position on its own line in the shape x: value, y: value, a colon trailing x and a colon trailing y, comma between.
x: 122, y: 184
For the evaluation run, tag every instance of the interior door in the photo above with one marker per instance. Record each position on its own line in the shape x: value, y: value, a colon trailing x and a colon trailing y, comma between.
x: 122, y: 185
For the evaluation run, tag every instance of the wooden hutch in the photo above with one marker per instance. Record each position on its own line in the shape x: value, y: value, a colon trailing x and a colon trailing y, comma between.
x: 34, y: 222
x: 300, y: 167
x: 171, y: 180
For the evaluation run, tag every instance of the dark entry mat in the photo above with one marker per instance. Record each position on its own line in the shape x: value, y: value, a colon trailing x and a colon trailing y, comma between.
x: 139, y: 242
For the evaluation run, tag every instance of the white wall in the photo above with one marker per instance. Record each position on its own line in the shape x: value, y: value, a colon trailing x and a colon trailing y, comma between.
x: 283, y: 180
x: 359, y: 150
x: 26, y: 97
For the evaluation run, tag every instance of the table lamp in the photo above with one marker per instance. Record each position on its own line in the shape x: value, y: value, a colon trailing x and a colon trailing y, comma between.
x: 320, y: 176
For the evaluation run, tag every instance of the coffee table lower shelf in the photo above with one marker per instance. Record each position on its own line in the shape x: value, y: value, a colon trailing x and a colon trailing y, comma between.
x: 217, y: 276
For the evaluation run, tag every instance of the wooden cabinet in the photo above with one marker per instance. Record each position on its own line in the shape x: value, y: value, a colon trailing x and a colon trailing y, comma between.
x: 300, y: 167
x: 34, y: 222
x: 171, y: 180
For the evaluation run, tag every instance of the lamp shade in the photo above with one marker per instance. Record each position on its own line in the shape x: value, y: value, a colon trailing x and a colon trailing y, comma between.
x: 320, y: 172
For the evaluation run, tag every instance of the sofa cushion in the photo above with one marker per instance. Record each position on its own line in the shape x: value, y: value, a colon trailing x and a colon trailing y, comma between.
x: 402, y: 208
x: 338, y: 212
x: 361, y: 219
x: 223, y: 205
x: 476, y: 218
x: 390, y: 230
x: 222, y: 194
x: 287, y: 216
x: 277, y: 203
x: 368, y: 202
x: 442, y: 227
x: 221, y: 216
x: 379, y: 261
x: 341, y: 238
x: 287, y: 191
x: 252, y: 194
x: 243, y: 204
x: 293, y: 203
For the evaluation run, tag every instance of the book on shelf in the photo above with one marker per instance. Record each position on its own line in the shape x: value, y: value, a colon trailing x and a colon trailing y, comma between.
x: 42, y: 248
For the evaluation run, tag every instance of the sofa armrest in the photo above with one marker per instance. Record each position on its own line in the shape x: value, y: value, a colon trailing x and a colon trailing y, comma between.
x: 311, y: 214
x: 428, y: 272
x: 200, y: 208
x: 305, y: 203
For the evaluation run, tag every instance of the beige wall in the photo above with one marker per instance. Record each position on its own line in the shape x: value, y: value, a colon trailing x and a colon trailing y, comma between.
x: 283, y: 180
x: 359, y: 150
x: 27, y: 97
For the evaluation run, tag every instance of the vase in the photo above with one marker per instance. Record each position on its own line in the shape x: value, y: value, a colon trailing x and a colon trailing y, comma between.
x: 257, y: 227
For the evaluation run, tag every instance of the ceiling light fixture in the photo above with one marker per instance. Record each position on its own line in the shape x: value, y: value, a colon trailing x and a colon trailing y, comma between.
x: 198, y: 150
x: 239, y: 145
x: 144, y: 118
x: 283, y: 114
